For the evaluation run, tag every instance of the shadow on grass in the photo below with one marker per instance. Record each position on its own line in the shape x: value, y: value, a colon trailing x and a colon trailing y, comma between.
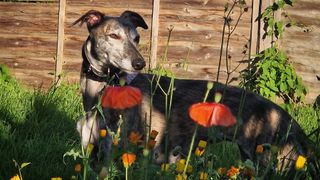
x: 37, y: 127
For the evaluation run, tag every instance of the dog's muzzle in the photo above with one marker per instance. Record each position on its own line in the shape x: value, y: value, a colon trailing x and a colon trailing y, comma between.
x: 138, y: 64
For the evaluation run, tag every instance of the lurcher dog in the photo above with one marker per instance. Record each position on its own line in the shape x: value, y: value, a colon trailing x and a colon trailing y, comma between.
x: 111, y: 51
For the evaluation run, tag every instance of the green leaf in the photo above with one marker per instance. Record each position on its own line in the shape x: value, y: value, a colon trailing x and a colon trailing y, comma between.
x: 281, y: 3
x: 73, y: 154
x: 24, y: 165
x: 283, y: 87
x: 288, y: 71
x: 290, y: 83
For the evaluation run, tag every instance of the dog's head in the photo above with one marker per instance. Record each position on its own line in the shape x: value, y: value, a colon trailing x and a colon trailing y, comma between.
x: 113, y: 40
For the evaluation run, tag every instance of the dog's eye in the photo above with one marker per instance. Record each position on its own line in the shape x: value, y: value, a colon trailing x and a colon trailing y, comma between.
x: 114, y: 36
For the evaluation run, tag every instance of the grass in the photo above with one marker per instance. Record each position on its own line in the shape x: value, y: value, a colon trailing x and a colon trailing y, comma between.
x: 39, y: 127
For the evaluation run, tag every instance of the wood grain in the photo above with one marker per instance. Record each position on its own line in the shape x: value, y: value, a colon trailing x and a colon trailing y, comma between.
x: 28, y: 38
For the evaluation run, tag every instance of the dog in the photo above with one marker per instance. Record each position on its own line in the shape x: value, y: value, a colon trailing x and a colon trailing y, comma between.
x: 111, y: 51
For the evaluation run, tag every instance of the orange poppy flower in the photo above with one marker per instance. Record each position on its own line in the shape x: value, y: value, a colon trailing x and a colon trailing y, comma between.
x: 77, y: 167
x: 233, y: 171
x: 209, y: 114
x: 135, y: 137
x: 153, y: 134
x: 199, y: 151
x: 120, y: 97
x: 103, y: 133
x: 222, y: 171
x: 128, y: 159
x: 259, y: 149
x: 151, y: 144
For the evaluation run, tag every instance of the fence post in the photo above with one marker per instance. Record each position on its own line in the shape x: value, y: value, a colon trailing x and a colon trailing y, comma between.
x: 154, y: 34
x: 59, y: 53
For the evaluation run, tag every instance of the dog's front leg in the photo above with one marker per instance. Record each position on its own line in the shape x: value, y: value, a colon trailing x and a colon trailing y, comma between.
x: 90, y: 90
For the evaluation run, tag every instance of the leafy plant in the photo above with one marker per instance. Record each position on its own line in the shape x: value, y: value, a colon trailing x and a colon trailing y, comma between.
x: 272, y: 75
x: 272, y: 26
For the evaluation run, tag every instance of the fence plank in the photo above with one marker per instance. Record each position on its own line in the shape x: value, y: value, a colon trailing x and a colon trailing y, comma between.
x: 154, y: 34
x: 58, y: 71
x: 28, y: 37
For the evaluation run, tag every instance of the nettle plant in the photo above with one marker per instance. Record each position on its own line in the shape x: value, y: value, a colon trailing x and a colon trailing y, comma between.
x: 270, y: 73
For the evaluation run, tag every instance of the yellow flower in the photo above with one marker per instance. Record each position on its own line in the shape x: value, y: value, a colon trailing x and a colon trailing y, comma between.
x: 203, y: 176
x: 199, y: 152
x: 165, y: 167
x: 202, y: 144
x: 189, y: 169
x: 259, y: 149
x: 182, y: 161
x: 135, y: 137
x: 103, y: 133
x: 153, y: 134
x: 16, y: 177
x: 232, y: 172
x: 181, y: 177
x: 222, y: 171
x: 77, y: 168
x: 300, y: 162
x: 128, y: 159
x: 180, y: 165
x: 56, y: 178
x: 90, y: 148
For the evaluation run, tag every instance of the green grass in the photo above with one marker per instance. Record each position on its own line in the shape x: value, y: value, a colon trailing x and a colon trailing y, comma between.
x: 37, y: 127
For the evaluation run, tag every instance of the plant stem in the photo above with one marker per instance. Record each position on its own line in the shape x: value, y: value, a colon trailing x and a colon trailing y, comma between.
x: 126, y: 173
x: 190, y: 149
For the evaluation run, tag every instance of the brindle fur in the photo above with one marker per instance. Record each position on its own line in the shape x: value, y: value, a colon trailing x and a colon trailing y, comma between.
x: 262, y: 120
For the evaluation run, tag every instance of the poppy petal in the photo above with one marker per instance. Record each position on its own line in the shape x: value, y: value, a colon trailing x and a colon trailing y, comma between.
x: 222, y: 116
x: 201, y: 113
x: 121, y: 97
x: 209, y: 114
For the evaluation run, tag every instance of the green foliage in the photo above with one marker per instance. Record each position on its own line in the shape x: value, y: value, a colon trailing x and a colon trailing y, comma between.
x: 4, y: 73
x: 37, y: 127
x: 272, y: 75
x: 307, y: 116
x: 272, y: 26
x: 161, y: 71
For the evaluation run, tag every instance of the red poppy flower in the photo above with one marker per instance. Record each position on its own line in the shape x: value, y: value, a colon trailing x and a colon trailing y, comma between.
x: 209, y: 114
x: 120, y: 97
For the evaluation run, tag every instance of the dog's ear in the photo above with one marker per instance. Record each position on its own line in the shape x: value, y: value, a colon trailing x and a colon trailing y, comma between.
x: 134, y: 18
x: 92, y: 18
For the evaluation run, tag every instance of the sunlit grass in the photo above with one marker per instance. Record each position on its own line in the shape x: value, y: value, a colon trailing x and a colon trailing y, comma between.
x: 37, y: 127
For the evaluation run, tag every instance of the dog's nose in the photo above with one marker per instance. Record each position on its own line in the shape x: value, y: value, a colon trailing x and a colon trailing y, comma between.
x: 138, y: 64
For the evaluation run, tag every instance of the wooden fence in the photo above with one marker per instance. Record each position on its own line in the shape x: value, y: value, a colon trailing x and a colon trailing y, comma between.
x: 29, y: 37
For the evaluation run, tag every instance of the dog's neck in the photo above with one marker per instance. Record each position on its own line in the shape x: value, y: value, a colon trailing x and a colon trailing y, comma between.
x: 102, y: 72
